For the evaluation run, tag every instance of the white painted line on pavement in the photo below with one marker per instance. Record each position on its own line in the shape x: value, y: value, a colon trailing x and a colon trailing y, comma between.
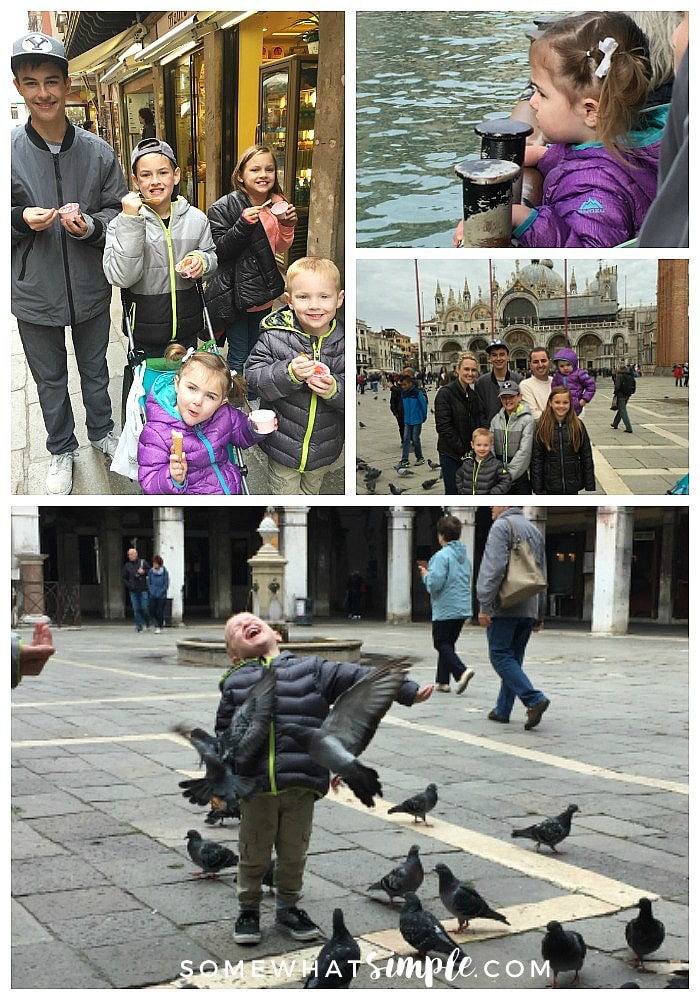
x: 608, y: 479
x: 528, y: 753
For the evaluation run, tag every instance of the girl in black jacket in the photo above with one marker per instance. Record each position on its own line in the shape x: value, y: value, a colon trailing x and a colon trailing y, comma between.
x: 249, y: 226
x: 562, y: 460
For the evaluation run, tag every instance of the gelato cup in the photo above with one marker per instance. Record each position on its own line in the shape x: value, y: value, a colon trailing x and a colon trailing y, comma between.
x: 320, y: 369
x: 183, y: 266
x: 263, y: 421
x: 70, y: 211
x: 279, y: 207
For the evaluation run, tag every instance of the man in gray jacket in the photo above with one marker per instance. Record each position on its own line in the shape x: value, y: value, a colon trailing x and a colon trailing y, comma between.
x: 57, y: 277
x: 508, y: 629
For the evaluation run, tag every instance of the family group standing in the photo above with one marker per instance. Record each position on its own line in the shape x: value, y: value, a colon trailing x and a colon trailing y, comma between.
x: 77, y: 232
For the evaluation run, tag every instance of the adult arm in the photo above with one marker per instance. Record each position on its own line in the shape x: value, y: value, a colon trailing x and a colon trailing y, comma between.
x: 520, y: 462
x: 444, y: 423
x: 587, y: 466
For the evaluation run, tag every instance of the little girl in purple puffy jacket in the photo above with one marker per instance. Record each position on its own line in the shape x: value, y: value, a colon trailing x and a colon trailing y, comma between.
x: 591, y: 78
x: 183, y: 448
x: 580, y: 384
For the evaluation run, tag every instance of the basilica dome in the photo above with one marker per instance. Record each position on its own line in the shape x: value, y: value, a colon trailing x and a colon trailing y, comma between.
x: 541, y: 278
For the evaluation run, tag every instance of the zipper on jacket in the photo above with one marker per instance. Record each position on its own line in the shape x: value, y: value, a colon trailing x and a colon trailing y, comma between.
x: 25, y: 256
x: 64, y: 239
x: 560, y: 432
x: 210, y: 451
x: 171, y: 266
x: 316, y: 348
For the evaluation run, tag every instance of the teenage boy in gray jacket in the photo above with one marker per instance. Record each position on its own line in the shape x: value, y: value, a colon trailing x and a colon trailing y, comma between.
x: 57, y: 277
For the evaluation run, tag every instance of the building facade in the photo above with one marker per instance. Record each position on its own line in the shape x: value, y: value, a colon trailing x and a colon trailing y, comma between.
x: 606, y: 565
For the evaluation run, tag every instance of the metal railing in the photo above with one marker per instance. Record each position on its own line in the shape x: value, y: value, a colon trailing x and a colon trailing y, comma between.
x: 59, y: 601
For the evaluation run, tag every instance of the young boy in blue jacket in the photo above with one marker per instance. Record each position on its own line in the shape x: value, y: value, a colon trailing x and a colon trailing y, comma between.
x: 415, y: 411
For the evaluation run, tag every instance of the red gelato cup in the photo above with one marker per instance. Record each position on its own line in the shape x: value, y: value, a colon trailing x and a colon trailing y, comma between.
x: 279, y: 207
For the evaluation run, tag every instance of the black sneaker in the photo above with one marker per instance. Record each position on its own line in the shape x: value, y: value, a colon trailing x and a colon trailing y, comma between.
x: 246, y: 930
x: 297, y: 923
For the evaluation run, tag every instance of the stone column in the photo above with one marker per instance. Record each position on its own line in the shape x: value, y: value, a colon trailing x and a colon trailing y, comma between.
x: 399, y: 571
x: 31, y: 575
x: 294, y: 547
x: 169, y: 542
x: 613, y: 567
x: 668, y: 534
x: 112, y: 559
x: 220, y: 564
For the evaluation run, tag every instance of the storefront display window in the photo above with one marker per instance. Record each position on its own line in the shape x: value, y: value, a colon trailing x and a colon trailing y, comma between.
x: 186, y: 107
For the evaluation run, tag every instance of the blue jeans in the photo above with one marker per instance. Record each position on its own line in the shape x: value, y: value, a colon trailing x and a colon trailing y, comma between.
x: 411, y: 436
x: 242, y: 336
x: 141, y: 607
x: 445, y: 635
x: 449, y: 468
x: 507, y: 639
x: 621, y: 414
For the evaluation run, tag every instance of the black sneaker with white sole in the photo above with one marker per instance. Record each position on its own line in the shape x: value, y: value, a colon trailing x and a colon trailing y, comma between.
x: 246, y: 930
x: 298, y: 924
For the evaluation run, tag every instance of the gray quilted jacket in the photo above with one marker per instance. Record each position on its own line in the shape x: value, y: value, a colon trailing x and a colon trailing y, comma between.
x: 310, y: 434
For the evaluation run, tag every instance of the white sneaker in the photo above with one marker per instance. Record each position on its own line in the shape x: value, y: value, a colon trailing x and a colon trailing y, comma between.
x: 108, y: 444
x: 464, y: 680
x: 156, y: 631
x: 60, y: 475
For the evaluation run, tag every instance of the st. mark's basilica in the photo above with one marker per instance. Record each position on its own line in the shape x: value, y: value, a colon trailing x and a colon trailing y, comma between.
x: 538, y: 306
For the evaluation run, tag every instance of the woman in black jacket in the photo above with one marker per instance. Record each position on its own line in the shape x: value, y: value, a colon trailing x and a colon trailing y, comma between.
x: 249, y: 226
x: 562, y: 459
x: 458, y: 413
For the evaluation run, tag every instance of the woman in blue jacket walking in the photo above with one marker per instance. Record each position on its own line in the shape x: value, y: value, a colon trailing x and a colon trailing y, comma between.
x: 158, y: 583
x: 448, y: 580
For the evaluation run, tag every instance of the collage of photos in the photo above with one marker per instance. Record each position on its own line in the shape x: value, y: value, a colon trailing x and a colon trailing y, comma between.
x: 319, y: 721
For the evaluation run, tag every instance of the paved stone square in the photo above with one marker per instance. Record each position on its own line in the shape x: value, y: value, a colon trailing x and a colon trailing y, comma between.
x: 103, y: 891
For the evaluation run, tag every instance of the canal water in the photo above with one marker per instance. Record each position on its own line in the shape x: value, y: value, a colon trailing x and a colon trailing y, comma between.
x: 424, y: 80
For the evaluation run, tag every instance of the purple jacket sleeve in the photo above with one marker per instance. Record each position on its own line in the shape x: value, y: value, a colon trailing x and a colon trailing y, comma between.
x: 154, y: 463
x: 596, y: 184
x: 587, y: 384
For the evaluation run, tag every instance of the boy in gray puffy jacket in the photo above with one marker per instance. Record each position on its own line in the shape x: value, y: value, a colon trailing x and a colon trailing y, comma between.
x: 280, y: 814
x: 297, y: 368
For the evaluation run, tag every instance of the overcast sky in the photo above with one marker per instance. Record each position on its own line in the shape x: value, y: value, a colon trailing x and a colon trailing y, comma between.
x: 386, y: 289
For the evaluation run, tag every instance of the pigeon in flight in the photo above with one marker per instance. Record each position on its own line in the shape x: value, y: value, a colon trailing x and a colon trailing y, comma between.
x: 644, y: 933
x: 221, y: 810
x: 564, y: 950
x: 210, y: 856
x: 418, y: 805
x: 424, y: 932
x: 406, y: 877
x: 550, y: 831
x: 462, y: 901
x: 349, y: 727
x: 244, y: 737
x: 336, y: 964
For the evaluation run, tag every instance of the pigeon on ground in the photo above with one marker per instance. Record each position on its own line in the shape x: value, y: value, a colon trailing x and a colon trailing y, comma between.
x: 424, y: 932
x: 210, y: 856
x: 644, y: 933
x: 433, y: 465
x: 550, y: 831
x: 406, y: 877
x: 221, y: 810
x: 680, y: 980
x: 428, y: 484
x: 418, y: 805
x: 403, y: 472
x: 361, y: 424
x: 462, y: 901
x: 349, y: 727
x: 371, y: 486
x: 243, y: 738
x: 336, y: 965
x: 563, y: 950
x: 396, y: 490
x: 372, y: 474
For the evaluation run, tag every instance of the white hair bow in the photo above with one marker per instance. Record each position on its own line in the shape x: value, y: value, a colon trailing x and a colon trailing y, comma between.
x: 188, y: 354
x: 607, y: 47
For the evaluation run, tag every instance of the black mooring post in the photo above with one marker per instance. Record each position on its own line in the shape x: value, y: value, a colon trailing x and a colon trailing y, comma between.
x: 504, y: 139
x: 487, y: 194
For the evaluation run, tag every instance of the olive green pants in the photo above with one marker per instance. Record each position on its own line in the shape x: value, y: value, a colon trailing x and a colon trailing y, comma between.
x: 281, y: 821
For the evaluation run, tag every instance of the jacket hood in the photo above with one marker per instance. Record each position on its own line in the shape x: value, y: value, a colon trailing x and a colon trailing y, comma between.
x: 457, y: 549
x: 566, y: 354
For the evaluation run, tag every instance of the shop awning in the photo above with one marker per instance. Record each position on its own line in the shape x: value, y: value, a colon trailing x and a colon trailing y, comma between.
x: 94, y: 59
x: 186, y: 34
